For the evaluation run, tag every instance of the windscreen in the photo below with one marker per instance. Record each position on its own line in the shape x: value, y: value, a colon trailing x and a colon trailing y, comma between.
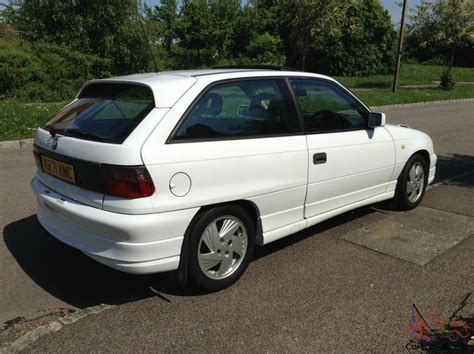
x: 105, y: 112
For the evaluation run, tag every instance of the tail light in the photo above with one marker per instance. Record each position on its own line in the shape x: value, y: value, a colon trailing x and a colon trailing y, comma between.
x: 127, y: 181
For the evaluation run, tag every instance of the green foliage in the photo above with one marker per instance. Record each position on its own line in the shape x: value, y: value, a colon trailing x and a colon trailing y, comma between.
x: 194, y: 29
x: 442, y: 28
x: 109, y: 29
x: 365, y: 43
x: 46, y: 72
x: 447, y: 80
x: 166, y: 18
x: 265, y: 49
x: 335, y: 37
x: 209, y: 28
x: 303, y: 28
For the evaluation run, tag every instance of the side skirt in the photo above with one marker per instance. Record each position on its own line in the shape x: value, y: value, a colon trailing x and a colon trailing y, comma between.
x: 281, y: 232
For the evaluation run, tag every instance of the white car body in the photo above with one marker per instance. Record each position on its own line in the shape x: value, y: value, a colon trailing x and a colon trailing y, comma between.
x: 275, y: 176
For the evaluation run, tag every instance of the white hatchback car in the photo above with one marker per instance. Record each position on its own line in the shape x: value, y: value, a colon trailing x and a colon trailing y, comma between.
x: 189, y: 170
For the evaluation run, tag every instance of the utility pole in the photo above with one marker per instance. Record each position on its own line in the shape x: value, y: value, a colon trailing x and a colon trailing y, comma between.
x: 399, y: 50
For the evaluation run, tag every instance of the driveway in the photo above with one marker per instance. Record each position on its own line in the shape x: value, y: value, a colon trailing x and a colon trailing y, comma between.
x: 345, y: 284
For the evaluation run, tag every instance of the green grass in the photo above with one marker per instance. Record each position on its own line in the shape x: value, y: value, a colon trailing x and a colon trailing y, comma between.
x: 19, y: 120
x: 410, y: 74
x: 380, y: 97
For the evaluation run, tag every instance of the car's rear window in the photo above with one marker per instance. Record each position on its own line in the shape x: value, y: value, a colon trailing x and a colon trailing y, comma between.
x: 105, y: 112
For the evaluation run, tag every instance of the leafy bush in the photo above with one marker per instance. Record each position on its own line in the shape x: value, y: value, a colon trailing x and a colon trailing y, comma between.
x: 45, y: 72
x: 265, y: 49
x: 109, y: 29
x: 447, y: 80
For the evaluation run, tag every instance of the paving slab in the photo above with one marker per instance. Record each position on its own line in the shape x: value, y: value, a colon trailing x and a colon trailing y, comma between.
x: 412, y: 243
x: 452, y: 198
x: 444, y: 224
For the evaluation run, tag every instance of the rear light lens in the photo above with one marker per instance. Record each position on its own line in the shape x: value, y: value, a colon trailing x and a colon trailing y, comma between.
x: 127, y: 181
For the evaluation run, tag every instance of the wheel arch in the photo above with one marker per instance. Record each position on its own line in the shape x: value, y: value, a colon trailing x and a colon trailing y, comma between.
x: 250, y: 207
x: 424, y: 154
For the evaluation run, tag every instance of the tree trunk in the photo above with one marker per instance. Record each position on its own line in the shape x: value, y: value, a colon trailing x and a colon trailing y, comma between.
x: 451, y: 59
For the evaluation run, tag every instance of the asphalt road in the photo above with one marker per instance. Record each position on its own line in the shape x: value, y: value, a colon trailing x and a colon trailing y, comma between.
x: 316, y: 290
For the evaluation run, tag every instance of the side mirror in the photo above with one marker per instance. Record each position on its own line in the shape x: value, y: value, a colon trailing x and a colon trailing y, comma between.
x: 376, y: 119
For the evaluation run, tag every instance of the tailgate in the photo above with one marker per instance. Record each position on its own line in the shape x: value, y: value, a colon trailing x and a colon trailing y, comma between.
x: 71, y: 177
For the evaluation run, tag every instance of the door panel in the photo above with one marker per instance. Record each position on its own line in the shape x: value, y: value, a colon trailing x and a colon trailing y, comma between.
x: 348, y: 161
x: 358, y: 165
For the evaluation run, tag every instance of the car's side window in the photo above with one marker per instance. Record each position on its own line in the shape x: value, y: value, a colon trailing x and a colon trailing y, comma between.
x: 247, y: 108
x: 325, y: 107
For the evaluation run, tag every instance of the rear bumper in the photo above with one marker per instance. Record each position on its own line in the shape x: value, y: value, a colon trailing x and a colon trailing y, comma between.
x: 137, y: 244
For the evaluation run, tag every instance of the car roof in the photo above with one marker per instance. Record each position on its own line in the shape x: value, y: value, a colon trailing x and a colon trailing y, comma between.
x: 169, y: 86
x: 216, y: 73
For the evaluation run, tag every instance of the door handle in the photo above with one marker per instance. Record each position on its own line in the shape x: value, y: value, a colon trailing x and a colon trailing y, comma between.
x: 319, y: 158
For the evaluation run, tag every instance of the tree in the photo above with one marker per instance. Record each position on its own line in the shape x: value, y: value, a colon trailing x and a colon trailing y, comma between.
x: 302, y: 26
x: 222, y: 15
x: 249, y: 24
x: 194, y: 25
x: 332, y: 36
x: 442, y: 27
x: 364, y: 43
x: 166, y: 14
x: 209, y: 26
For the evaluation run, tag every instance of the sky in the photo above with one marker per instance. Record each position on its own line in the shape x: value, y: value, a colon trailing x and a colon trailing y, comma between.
x: 395, y: 9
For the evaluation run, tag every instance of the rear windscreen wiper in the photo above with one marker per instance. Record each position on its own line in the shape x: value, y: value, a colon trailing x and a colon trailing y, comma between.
x: 79, y: 133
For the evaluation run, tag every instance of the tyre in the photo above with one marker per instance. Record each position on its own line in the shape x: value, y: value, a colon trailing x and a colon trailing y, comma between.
x: 412, y: 183
x: 453, y: 337
x: 220, y: 247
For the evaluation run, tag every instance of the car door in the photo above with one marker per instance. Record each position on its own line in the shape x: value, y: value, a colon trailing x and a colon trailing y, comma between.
x: 348, y: 161
x: 240, y: 139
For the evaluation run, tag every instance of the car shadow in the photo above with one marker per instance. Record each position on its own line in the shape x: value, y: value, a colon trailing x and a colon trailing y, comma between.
x: 67, y: 273
x: 455, y: 169
x: 74, y: 278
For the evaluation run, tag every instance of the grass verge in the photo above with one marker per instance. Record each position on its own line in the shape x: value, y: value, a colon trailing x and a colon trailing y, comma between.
x: 410, y: 74
x: 383, y: 97
x: 19, y: 120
